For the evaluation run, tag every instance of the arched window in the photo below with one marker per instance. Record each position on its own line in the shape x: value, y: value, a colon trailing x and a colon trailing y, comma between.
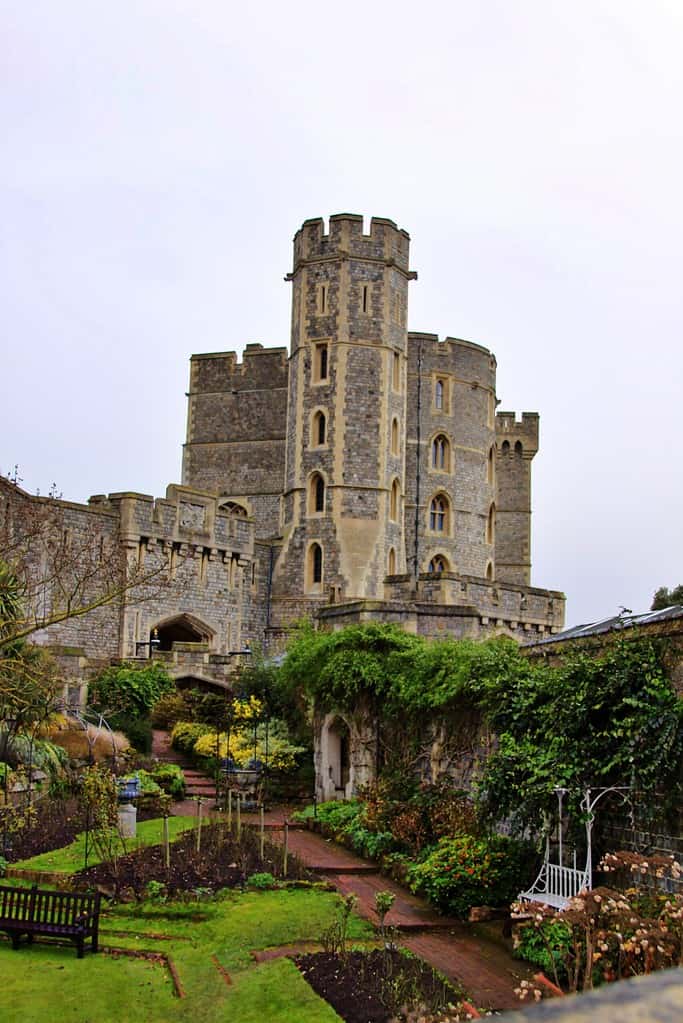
x: 490, y: 467
x: 234, y: 509
x: 394, y: 436
x: 441, y: 450
x: 489, y: 571
x: 314, y: 567
x: 394, y: 501
x: 439, y: 394
x: 505, y: 447
x: 519, y: 449
x: 438, y: 564
x: 319, y: 431
x: 391, y: 562
x: 316, y: 493
x: 491, y: 525
x: 438, y: 514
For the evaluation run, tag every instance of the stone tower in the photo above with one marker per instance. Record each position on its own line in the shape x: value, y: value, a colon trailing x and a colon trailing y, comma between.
x: 516, y: 443
x: 343, y: 502
x: 451, y: 480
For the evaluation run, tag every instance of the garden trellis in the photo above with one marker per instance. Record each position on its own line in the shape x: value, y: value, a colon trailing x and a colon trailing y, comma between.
x: 556, y: 884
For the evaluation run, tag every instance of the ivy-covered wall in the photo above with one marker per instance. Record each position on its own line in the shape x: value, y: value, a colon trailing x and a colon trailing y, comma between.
x: 504, y: 725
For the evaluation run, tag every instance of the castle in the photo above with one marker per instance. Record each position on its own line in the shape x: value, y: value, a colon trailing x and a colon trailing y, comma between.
x: 365, y: 475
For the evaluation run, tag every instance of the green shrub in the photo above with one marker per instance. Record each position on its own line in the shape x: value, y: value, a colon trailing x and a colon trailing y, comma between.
x: 171, y: 779
x: 129, y: 689
x: 186, y: 733
x: 168, y: 710
x: 42, y: 754
x: 136, y: 729
x: 148, y: 786
x: 261, y: 881
x: 549, y: 946
x: 465, y: 871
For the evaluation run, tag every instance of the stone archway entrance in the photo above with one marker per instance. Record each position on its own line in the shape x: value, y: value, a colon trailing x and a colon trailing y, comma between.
x: 182, y: 628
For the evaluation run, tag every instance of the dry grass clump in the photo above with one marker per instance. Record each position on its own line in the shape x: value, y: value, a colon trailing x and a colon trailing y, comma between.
x: 80, y: 743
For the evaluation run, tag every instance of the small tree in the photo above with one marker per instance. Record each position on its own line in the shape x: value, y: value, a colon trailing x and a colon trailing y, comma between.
x: 54, y: 573
x: 99, y: 803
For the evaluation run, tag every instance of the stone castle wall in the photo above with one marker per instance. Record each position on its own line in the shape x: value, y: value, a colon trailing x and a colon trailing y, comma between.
x: 236, y: 421
x: 309, y: 481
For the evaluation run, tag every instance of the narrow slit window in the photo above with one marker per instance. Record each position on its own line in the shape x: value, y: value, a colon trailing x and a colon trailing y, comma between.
x: 491, y: 525
x: 438, y: 394
x: 393, y: 501
x: 315, y: 566
x: 321, y: 362
x: 316, y: 500
x: 396, y: 372
x: 366, y: 303
x: 322, y: 298
x: 319, y: 429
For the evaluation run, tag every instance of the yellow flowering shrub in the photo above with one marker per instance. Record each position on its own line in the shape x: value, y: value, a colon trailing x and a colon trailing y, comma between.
x: 281, y: 753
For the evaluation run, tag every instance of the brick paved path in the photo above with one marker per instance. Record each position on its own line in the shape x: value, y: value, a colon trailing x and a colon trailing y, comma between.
x: 483, y: 967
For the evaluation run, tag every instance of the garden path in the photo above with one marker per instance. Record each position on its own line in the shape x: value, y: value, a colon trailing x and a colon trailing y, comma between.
x: 482, y: 965
x: 198, y: 783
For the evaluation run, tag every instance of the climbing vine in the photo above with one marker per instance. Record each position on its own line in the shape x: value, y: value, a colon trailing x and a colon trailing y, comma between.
x: 612, y: 718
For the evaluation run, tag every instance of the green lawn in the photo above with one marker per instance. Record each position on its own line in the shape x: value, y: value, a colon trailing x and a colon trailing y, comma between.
x: 44, y: 982
x: 71, y: 857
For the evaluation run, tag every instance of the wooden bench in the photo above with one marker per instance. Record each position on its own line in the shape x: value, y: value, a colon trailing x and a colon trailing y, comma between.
x: 31, y: 911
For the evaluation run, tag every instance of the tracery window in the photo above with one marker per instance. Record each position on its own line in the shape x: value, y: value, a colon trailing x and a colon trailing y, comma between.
x: 440, y: 452
x: 438, y: 514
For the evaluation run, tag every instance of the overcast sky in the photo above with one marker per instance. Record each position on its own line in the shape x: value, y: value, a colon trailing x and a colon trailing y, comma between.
x: 157, y: 157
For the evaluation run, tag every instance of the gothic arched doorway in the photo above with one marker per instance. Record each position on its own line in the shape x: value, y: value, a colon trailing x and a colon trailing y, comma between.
x: 182, y: 628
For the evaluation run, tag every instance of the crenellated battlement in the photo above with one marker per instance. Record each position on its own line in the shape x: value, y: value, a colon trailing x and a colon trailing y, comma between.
x: 512, y: 430
x: 221, y: 371
x: 451, y: 355
x: 186, y: 516
x: 385, y: 241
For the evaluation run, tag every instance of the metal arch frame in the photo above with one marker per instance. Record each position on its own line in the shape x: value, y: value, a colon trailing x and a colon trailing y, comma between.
x: 568, y: 881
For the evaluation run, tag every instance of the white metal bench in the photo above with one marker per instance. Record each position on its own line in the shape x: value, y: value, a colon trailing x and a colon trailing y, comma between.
x: 556, y: 885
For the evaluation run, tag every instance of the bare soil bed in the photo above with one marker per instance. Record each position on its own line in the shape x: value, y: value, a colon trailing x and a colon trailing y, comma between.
x: 379, y: 986
x: 45, y: 825
x: 222, y: 862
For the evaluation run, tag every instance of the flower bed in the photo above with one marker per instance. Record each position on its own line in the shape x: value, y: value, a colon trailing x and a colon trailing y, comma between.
x: 223, y: 861
x: 41, y: 827
x: 377, y: 986
x: 425, y: 843
x: 605, y: 934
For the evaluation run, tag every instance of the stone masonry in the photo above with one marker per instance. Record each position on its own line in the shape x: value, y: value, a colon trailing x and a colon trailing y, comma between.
x: 364, y: 475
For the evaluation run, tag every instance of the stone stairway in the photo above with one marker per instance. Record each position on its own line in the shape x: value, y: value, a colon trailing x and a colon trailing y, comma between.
x: 197, y: 782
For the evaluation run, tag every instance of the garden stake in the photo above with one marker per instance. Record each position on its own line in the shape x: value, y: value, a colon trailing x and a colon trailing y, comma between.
x: 263, y: 833
x: 199, y: 822
x: 167, y: 844
x: 286, y: 847
x: 239, y: 815
x: 230, y: 810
